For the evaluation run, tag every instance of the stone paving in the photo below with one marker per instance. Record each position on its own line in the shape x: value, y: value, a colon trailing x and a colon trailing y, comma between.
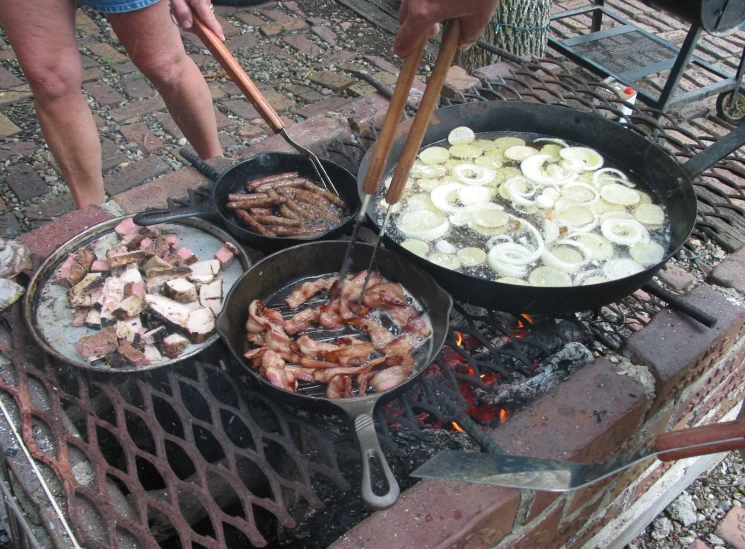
x: 308, y: 68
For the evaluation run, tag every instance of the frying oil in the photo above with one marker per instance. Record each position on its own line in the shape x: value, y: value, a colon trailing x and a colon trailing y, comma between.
x: 463, y: 236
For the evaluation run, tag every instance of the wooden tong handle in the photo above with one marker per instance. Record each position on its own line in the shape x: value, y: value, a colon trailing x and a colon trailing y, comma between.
x: 676, y: 444
x: 237, y: 74
x: 448, y: 48
x: 392, y: 118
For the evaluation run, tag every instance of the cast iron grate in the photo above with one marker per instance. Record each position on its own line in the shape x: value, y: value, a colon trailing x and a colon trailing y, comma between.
x: 164, y: 456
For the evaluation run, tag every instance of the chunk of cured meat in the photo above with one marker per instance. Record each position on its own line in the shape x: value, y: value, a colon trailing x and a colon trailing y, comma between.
x: 402, y: 345
x: 339, y: 387
x: 349, y: 355
x: 418, y: 325
x: 273, y: 370
x: 70, y: 272
x: 379, y: 335
x: 328, y: 318
x: 96, y: 346
x: 204, y: 272
x: 133, y: 356
x: 226, y: 254
x: 210, y: 295
x: 127, y: 226
x: 384, y: 295
x: 313, y: 348
x: 181, y: 290
x: 172, y: 345
x: 301, y: 321
x: 261, y: 317
x: 186, y: 255
x: 306, y: 290
x: 201, y: 324
x: 78, y: 317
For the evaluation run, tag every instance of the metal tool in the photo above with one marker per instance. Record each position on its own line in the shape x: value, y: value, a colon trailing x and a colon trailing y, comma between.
x: 448, y: 48
x: 254, y: 95
x: 379, y: 159
x: 561, y: 476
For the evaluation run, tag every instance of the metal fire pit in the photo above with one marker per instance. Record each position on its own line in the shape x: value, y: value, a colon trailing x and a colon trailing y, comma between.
x: 193, y: 456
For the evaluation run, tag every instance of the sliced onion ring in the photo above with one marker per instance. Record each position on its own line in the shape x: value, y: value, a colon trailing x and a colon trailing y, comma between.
x: 531, y: 168
x: 626, y: 232
x: 550, y: 259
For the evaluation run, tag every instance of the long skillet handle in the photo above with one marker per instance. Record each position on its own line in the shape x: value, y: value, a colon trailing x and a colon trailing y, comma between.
x: 392, y: 118
x: 448, y: 48
x: 699, y: 441
x: 237, y: 74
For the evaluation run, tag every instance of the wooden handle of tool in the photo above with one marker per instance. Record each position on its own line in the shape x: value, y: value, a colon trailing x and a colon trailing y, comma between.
x: 677, y: 444
x: 392, y: 118
x: 448, y: 48
x: 237, y: 74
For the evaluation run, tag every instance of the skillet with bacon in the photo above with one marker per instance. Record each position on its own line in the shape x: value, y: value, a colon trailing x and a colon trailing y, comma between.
x: 371, y: 348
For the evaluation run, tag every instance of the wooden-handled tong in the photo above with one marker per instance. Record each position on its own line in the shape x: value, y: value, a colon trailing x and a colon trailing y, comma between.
x: 448, y: 48
x: 236, y: 73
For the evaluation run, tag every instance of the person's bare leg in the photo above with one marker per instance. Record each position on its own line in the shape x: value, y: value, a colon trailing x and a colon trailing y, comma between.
x: 153, y: 43
x: 43, y: 38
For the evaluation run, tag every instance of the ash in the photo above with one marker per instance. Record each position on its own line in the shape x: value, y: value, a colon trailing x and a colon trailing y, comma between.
x: 547, y: 375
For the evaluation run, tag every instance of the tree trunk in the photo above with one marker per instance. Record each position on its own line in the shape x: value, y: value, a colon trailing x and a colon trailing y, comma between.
x: 518, y: 26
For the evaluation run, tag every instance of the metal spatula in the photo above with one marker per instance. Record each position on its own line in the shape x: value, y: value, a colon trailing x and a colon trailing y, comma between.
x: 561, y: 476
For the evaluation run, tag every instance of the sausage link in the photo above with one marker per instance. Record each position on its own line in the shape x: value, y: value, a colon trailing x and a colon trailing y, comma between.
x: 260, y: 211
x: 284, y: 211
x: 248, y: 219
x: 263, y: 203
x: 299, y: 211
x: 311, y: 203
x: 328, y: 195
x: 253, y: 183
x: 279, y: 185
x: 300, y: 232
x: 239, y: 197
x: 273, y: 220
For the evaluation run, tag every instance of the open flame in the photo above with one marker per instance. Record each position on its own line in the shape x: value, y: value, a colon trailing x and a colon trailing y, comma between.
x: 458, y: 338
x: 523, y: 326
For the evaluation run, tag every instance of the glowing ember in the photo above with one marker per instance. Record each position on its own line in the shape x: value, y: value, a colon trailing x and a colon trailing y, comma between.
x: 457, y: 427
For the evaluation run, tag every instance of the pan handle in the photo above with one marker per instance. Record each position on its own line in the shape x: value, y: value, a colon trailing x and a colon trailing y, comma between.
x: 373, y: 454
x: 204, y: 168
x: 360, y: 411
x: 716, y: 152
x: 173, y: 212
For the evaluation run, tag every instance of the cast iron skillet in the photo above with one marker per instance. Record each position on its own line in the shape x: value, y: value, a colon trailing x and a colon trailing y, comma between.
x: 289, y: 266
x: 670, y: 182
x: 233, y: 180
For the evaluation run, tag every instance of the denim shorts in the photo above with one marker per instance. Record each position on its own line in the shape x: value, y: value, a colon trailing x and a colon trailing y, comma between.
x: 117, y: 6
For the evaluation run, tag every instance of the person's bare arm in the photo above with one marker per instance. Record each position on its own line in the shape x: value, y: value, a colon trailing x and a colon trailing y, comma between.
x: 182, y: 13
x: 421, y: 17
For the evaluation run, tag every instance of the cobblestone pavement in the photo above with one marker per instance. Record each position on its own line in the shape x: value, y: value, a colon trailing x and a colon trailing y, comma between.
x: 303, y: 55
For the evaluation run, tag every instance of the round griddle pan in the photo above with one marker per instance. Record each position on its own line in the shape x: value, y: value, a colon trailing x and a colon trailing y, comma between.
x: 276, y: 274
x: 670, y: 182
x: 49, y: 317
x: 234, y: 179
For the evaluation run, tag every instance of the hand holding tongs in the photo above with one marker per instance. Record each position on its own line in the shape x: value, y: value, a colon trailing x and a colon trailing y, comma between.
x: 236, y: 73
x: 373, y: 178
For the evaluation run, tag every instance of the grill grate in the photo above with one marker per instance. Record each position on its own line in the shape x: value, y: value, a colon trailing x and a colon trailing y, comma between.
x: 136, y: 459
x: 625, y: 52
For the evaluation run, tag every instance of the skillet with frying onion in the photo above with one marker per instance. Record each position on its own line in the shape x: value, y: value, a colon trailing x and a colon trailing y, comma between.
x: 670, y: 182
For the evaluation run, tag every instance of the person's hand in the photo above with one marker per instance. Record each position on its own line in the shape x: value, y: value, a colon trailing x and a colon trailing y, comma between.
x: 181, y: 10
x: 420, y: 18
